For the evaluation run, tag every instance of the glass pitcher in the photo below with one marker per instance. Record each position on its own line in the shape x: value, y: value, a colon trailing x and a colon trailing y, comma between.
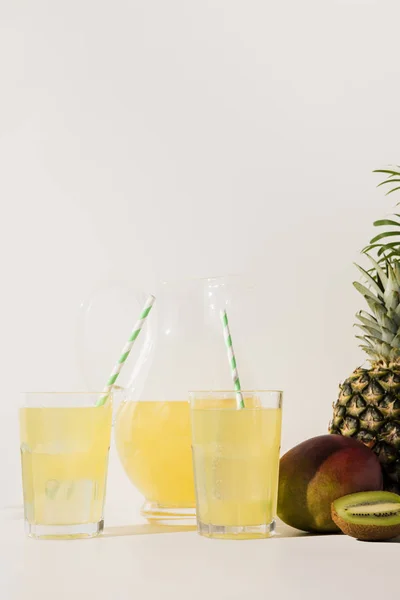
x: 181, y: 348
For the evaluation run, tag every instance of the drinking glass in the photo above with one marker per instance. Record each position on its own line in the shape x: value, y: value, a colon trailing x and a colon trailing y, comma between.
x: 65, y: 440
x: 236, y: 461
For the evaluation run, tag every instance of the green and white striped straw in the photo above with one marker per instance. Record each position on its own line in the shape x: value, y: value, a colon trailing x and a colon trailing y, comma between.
x: 126, y: 350
x: 232, y: 359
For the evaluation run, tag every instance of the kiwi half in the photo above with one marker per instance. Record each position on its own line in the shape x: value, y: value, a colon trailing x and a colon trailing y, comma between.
x: 368, y: 515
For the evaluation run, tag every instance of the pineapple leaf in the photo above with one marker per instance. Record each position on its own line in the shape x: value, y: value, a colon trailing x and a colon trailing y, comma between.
x: 395, y: 343
x: 367, y: 316
x: 391, y: 179
x: 384, y: 349
x: 376, y: 308
x: 383, y: 279
x: 393, y: 190
x: 392, y: 285
x: 385, y: 258
x: 392, y: 246
x: 366, y: 319
x: 387, y: 336
x: 374, y: 285
x: 392, y: 321
x: 384, y: 335
x: 368, y: 328
x: 381, y: 274
x: 366, y: 349
x: 370, y: 352
x: 364, y: 339
x: 375, y: 333
x: 392, y: 300
x: 382, y: 222
x: 396, y: 269
x: 365, y: 291
x: 373, y: 246
x: 388, y: 172
x: 381, y: 236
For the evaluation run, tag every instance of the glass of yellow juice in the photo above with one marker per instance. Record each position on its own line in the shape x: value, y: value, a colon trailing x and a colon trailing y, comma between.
x: 65, y: 440
x: 154, y: 445
x: 236, y: 462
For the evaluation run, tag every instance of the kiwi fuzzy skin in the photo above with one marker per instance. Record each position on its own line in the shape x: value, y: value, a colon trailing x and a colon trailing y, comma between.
x: 369, y: 533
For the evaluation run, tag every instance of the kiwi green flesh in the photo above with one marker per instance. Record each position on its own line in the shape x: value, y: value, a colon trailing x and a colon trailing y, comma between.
x: 386, y: 509
x: 376, y: 508
x: 371, y: 516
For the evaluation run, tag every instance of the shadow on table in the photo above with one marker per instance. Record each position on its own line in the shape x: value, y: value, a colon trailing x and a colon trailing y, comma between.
x: 395, y: 540
x: 283, y: 531
x: 16, y: 512
x: 145, y: 529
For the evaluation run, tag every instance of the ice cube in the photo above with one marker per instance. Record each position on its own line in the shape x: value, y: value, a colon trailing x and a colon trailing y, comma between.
x: 69, y: 501
x: 25, y: 448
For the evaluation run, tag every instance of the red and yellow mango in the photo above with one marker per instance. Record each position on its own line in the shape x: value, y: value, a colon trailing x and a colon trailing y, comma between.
x: 317, y: 472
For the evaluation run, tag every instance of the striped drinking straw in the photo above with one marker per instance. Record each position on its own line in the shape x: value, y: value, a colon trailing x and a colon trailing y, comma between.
x: 232, y: 359
x: 126, y: 350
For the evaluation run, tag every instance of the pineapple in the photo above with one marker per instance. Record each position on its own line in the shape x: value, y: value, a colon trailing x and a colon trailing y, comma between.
x: 368, y: 407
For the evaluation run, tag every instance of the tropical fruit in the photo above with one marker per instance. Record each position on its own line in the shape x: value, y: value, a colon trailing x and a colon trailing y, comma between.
x: 317, y: 472
x: 368, y: 407
x: 368, y: 515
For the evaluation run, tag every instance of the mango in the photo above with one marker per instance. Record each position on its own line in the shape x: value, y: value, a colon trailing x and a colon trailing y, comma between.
x: 318, y: 471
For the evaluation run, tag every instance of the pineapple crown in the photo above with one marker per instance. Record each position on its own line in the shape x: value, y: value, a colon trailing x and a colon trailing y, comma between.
x: 381, y: 326
x: 382, y: 243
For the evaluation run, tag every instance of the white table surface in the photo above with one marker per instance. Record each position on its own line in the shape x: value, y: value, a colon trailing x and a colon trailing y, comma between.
x: 134, y: 560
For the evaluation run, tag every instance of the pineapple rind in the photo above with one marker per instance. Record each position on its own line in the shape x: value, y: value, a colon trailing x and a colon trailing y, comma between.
x: 368, y: 408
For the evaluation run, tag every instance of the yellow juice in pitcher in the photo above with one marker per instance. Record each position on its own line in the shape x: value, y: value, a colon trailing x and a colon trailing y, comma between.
x: 154, y: 445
